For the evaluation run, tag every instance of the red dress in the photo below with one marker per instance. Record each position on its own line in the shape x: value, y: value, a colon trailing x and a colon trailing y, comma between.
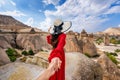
x: 58, y: 52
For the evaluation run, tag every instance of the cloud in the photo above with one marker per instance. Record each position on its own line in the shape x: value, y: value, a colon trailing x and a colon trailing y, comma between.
x: 13, y: 3
x: 54, y: 2
x: 83, y: 14
x: 2, y: 2
x: 30, y: 21
x: 115, y: 9
x: 119, y: 25
x: 118, y: 2
x: 14, y: 13
x: 45, y: 24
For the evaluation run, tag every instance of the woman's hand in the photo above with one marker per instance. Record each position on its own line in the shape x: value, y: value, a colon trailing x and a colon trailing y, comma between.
x: 57, y: 62
x: 52, y: 68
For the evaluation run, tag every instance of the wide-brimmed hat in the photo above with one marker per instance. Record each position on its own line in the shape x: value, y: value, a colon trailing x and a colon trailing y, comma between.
x: 65, y: 25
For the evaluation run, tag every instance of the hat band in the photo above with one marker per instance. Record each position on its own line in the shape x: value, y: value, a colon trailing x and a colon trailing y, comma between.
x: 59, y: 25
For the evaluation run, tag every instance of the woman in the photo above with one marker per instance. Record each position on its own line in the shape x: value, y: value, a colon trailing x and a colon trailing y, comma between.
x: 57, y: 40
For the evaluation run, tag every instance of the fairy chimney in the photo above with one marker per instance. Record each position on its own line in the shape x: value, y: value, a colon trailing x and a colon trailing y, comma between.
x: 83, y: 34
x: 106, y: 40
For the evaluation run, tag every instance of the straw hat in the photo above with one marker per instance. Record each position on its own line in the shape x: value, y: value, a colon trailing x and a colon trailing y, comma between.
x: 59, y: 23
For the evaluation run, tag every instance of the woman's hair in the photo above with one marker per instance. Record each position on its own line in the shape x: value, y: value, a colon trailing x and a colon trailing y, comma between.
x: 55, y: 35
x: 54, y: 40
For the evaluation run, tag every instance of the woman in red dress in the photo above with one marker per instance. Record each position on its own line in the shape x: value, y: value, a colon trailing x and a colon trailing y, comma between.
x: 57, y: 40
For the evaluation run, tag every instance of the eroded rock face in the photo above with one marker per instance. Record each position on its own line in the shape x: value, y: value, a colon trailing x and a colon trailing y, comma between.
x: 3, y: 57
x: 4, y: 43
x: 72, y: 44
x: 80, y: 67
x: 111, y: 72
x: 8, y: 22
x: 89, y: 47
x: 36, y: 42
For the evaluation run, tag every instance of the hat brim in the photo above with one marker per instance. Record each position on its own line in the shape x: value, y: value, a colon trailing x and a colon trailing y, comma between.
x: 66, y: 26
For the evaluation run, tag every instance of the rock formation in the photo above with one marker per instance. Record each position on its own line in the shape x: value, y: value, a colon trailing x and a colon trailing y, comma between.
x: 20, y: 71
x: 89, y: 48
x: 36, y: 42
x: 8, y: 22
x: 111, y: 72
x: 3, y: 57
x: 80, y: 67
x: 72, y: 44
x: 85, y: 42
x: 106, y: 40
x: 113, y: 31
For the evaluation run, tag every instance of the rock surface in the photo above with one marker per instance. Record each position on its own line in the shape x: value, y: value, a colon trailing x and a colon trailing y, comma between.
x: 36, y: 42
x: 111, y: 72
x: 4, y: 43
x: 113, y: 31
x: 20, y: 71
x: 8, y: 22
x: 80, y: 67
x: 72, y: 44
x: 89, y: 47
x: 3, y: 57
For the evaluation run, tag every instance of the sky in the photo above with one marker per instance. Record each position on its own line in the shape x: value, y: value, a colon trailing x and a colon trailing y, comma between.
x: 91, y: 15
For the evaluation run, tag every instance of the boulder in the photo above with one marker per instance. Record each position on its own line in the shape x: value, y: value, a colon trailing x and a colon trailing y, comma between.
x: 89, y: 48
x: 111, y: 72
x: 72, y: 44
x: 4, y: 42
x: 4, y: 59
x: 20, y: 71
x: 80, y: 67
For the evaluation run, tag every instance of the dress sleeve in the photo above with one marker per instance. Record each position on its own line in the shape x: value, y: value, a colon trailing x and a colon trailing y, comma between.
x: 49, y: 39
x: 61, y: 42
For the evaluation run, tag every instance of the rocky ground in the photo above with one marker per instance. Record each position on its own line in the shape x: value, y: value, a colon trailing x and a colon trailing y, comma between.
x: 20, y: 71
x: 109, y: 49
x: 78, y: 67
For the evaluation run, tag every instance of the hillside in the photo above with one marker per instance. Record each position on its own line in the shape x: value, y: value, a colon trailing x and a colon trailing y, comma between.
x: 113, y: 31
x: 8, y: 22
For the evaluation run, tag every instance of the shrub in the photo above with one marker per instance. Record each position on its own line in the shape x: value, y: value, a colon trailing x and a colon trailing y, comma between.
x: 113, y: 53
x: 99, y: 41
x: 118, y: 42
x: 112, y: 58
x: 113, y: 41
x: 25, y: 53
x: 117, y: 50
x: 12, y: 58
x: 30, y: 52
x: 12, y: 54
